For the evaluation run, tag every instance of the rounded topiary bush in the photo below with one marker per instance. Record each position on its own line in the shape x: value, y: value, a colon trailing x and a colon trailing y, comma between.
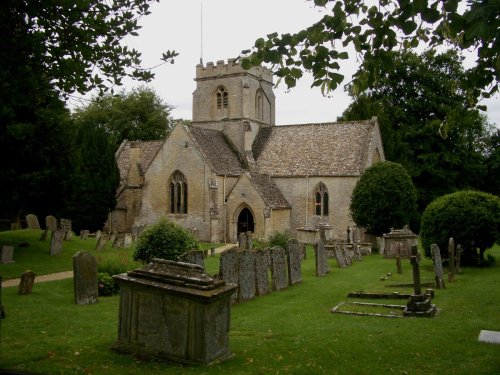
x: 383, y: 198
x: 472, y: 218
x: 165, y: 240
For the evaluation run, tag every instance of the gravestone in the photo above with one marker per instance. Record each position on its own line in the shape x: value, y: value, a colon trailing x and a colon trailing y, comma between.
x: 293, y: 256
x: 321, y: 261
x: 249, y: 240
x: 65, y: 225
x: 174, y: 311
x: 457, y: 258
x: 193, y: 257
x: 26, y: 283
x: 56, y: 242
x: 85, y: 278
x: 228, y: 268
x: 32, y: 221
x: 98, y: 234
x: 112, y: 238
x: 357, y: 252
x: 246, y: 276
x: 279, y: 279
x: 127, y: 240
x: 419, y: 304
x: 212, y: 251
x: 397, y: 250
x: 15, y: 226
x: 339, y: 256
x: 118, y: 241
x: 262, y: 272
x: 242, y: 241
x: 102, y: 242
x: 451, y: 260
x: 84, y: 234
x: 50, y: 223
x: 7, y: 254
x: 347, y: 254
x: 44, y: 235
x: 438, y: 266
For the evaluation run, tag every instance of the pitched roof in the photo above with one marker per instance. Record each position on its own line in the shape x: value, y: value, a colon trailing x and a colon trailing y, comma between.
x: 217, y: 150
x: 268, y: 190
x: 328, y: 149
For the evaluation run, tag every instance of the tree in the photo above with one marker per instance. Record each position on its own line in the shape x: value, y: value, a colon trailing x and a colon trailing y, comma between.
x: 492, y: 180
x: 374, y: 30
x: 94, y: 180
x: 472, y: 218
x: 140, y: 115
x: 425, y: 121
x: 383, y: 198
x: 165, y: 240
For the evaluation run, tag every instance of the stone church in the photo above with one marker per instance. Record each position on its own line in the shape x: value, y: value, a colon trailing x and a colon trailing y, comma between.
x: 233, y: 170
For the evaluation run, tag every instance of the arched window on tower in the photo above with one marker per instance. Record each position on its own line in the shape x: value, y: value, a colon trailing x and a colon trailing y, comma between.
x: 178, y: 193
x: 259, y: 110
x: 321, y: 200
x: 221, y: 102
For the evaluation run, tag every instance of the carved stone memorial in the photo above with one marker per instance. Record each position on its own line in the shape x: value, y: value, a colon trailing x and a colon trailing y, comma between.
x: 127, y: 240
x: 118, y: 241
x: 56, y: 242
x: 322, y: 267
x: 102, y: 242
x: 174, y: 311
x: 293, y: 257
x: 193, y: 257
x: 262, y: 272
x: 26, y: 283
x: 279, y: 279
x: 339, y: 255
x: 228, y: 267
x: 7, y: 254
x: 85, y: 278
x: 246, y: 276
x: 32, y: 221
x: 438, y: 266
x: 51, y: 223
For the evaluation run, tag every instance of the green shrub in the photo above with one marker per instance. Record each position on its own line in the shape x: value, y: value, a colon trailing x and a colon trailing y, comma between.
x: 106, y: 286
x: 472, y: 218
x: 165, y: 240
x: 280, y: 239
x: 383, y: 198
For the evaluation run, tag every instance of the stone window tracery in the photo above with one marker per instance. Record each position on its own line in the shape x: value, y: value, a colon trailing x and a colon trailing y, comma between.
x: 321, y: 200
x: 222, y: 98
x: 178, y: 193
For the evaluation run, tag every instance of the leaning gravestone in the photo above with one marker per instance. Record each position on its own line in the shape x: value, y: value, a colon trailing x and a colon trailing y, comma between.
x: 56, y: 242
x: 438, y: 266
x: 85, y: 278
x: 246, y: 276
x: 127, y: 240
x: 119, y: 241
x: 193, y: 257
x: 279, y: 279
x: 26, y: 283
x: 84, y: 234
x: 339, y: 255
x: 228, y: 268
x: 262, y: 272
x: 50, y: 223
x: 112, y: 238
x: 98, y: 235
x: 32, y: 221
x: 294, y: 262
x: 44, y: 235
x: 7, y: 254
x: 102, y: 242
x: 451, y: 260
x: 321, y: 263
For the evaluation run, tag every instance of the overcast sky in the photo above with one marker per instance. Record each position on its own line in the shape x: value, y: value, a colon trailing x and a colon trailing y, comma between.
x: 230, y: 26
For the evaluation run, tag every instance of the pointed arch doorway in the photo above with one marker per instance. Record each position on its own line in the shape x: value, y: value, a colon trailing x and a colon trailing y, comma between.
x: 245, y: 221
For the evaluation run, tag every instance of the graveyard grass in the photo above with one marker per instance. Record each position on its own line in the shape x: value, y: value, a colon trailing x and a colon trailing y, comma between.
x: 291, y: 331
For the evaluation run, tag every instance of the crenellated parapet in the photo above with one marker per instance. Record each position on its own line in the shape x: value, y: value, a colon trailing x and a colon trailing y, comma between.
x: 232, y: 67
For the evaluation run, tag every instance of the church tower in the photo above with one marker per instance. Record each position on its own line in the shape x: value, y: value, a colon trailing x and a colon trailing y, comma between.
x: 236, y: 101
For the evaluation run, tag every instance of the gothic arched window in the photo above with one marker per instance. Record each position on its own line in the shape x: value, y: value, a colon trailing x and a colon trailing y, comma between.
x: 222, y: 98
x: 178, y: 191
x: 259, y: 111
x: 321, y: 200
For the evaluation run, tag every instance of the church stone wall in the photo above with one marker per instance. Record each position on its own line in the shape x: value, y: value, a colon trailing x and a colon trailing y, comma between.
x: 297, y: 189
x: 155, y: 203
x: 279, y: 221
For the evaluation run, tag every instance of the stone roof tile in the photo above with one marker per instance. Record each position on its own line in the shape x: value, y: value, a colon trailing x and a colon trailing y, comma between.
x: 268, y: 190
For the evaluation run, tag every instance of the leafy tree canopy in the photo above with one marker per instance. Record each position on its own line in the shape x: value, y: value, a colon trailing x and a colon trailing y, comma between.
x: 426, y: 122
x: 383, y: 198
x: 374, y: 29
x: 140, y: 115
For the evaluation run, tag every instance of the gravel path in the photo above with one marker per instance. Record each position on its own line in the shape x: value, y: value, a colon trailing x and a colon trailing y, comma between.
x: 69, y: 274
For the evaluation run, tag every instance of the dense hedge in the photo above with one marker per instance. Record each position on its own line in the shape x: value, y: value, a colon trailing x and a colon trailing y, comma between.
x: 383, y: 198
x: 472, y: 218
x: 165, y: 240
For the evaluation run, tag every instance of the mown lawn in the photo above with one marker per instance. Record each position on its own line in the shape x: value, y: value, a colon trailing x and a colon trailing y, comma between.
x: 289, y: 332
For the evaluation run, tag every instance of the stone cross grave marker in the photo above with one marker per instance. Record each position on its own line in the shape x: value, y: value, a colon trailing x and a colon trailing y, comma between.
x: 127, y: 240
x: 294, y: 262
x: 193, y: 257
x: 246, y: 276
x: 32, y: 221
x: 457, y: 258
x: 7, y: 254
x: 228, y: 268
x: 262, y: 272
x: 339, y: 256
x: 415, y: 262
x: 50, y: 223
x: 451, y: 259
x: 279, y: 279
x: 26, y: 283
x: 56, y: 242
x: 321, y: 261
x: 85, y: 278
x: 438, y: 266
x: 101, y: 242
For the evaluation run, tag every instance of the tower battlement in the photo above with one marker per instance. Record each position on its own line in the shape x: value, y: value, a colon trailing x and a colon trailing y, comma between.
x: 215, y: 70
